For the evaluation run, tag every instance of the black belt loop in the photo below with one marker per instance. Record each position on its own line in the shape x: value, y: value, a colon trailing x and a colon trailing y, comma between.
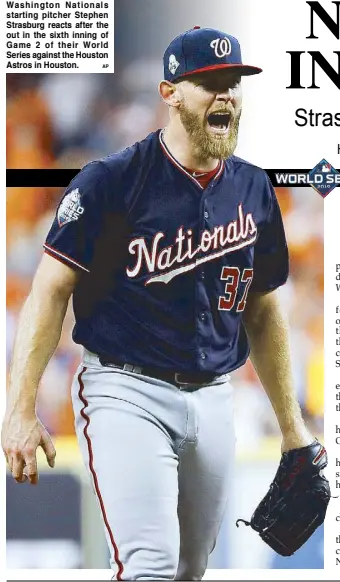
x: 177, y: 378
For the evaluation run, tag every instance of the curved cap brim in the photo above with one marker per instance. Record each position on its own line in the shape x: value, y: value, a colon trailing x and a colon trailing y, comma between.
x: 243, y: 70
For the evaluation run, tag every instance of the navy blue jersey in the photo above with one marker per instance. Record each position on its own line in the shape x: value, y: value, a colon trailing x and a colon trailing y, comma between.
x: 166, y: 266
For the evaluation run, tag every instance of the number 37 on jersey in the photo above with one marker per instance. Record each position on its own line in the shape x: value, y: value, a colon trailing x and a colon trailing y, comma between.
x: 235, y: 279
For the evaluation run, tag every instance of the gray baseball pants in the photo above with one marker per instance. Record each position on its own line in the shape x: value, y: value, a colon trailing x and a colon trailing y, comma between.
x: 160, y: 459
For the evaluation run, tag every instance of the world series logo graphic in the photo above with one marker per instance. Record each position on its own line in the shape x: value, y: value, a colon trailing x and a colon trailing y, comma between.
x: 323, y: 178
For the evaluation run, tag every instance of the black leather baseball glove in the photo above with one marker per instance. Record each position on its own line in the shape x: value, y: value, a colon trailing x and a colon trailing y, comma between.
x: 296, y: 502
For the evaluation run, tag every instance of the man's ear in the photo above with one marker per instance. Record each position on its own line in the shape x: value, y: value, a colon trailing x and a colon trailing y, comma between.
x: 170, y: 93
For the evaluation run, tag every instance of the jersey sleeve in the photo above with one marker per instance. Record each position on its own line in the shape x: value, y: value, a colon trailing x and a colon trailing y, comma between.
x: 79, y: 217
x: 271, y: 260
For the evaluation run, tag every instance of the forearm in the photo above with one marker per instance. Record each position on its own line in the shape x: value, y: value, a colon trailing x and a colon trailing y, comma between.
x: 267, y: 330
x: 37, y: 337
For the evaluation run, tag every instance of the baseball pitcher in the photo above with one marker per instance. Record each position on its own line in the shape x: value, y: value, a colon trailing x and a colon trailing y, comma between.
x: 172, y: 251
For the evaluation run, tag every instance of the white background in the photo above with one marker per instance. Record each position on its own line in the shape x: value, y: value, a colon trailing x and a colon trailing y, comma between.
x: 85, y: 65
x: 269, y: 136
x: 267, y: 29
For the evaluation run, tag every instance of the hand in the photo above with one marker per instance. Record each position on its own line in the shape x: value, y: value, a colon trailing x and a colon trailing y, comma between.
x: 297, y: 438
x: 21, y: 436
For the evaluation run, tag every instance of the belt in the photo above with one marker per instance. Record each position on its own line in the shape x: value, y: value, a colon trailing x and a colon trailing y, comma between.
x: 180, y: 378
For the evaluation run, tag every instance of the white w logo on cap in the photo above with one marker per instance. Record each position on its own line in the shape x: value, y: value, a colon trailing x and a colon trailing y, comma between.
x: 222, y: 47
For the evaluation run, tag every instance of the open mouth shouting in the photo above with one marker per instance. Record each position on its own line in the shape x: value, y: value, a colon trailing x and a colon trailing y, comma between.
x: 218, y: 122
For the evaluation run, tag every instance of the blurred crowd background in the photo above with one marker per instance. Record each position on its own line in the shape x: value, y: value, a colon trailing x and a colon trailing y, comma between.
x: 63, y: 121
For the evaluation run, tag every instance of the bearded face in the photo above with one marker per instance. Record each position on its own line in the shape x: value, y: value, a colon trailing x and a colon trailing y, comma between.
x: 210, y: 112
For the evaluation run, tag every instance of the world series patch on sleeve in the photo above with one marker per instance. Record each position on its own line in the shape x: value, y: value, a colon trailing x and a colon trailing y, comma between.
x: 296, y: 503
